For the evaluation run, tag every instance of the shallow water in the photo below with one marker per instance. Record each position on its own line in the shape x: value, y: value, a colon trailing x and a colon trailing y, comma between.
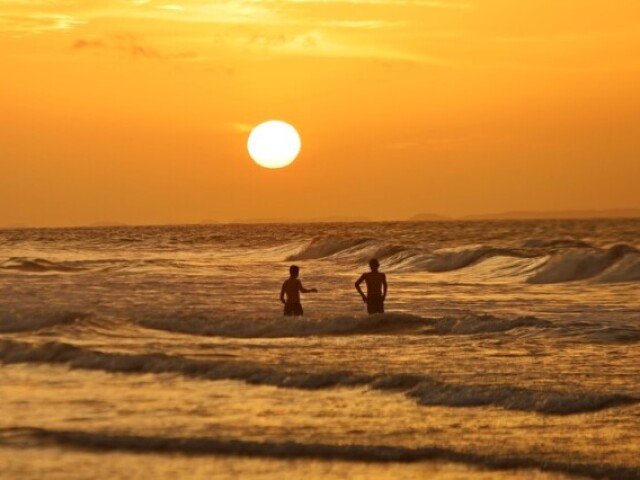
x: 509, y: 350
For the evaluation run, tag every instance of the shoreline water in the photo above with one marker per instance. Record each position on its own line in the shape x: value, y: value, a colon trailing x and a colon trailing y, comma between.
x: 133, y: 338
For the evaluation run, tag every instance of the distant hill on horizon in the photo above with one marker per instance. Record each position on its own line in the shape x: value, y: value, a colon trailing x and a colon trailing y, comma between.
x: 559, y: 214
x: 331, y: 219
x: 533, y: 215
x: 421, y: 217
x: 16, y: 226
x: 429, y: 217
x: 108, y: 224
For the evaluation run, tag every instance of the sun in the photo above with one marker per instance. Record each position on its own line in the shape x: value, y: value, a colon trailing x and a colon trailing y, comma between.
x: 274, y: 144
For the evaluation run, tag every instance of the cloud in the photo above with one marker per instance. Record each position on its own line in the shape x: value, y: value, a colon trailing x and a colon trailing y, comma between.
x: 458, y: 5
x: 317, y: 43
x: 174, y: 8
x: 131, y: 45
x: 360, y: 24
x: 225, y: 28
x: 37, y: 23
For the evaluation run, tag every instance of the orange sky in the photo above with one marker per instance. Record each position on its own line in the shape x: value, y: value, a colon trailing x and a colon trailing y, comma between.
x: 137, y: 111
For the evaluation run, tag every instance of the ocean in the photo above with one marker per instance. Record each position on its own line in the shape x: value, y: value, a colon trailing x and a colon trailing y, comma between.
x: 510, y: 349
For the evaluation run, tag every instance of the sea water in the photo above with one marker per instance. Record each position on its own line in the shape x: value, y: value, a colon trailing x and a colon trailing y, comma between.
x: 508, y: 350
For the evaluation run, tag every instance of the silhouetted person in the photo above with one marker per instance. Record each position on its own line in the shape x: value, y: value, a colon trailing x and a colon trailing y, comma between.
x: 290, y: 293
x: 376, y: 288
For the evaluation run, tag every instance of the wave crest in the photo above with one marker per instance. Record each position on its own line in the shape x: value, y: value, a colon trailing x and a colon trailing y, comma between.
x: 323, y: 247
x: 383, y: 324
x: 36, y: 265
x: 455, y: 259
x: 99, y: 441
x: 583, y: 264
x: 537, y: 261
x: 13, y: 322
x: 474, y: 324
x: 556, y: 243
x: 288, y: 326
x: 422, y: 388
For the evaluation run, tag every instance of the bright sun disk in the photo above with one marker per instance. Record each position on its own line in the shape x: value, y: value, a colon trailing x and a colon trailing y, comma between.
x: 274, y: 144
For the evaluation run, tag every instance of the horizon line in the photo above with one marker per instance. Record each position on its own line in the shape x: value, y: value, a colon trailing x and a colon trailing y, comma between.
x: 515, y: 215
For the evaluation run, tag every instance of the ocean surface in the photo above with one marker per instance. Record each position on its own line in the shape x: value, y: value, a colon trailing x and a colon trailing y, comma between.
x: 509, y: 350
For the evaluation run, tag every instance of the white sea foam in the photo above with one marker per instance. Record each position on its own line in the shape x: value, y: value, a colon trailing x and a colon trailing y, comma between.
x: 538, y: 261
x: 582, y: 264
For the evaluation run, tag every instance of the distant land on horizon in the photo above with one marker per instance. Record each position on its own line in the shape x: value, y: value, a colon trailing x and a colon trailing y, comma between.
x: 108, y: 224
x: 422, y: 217
x: 535, y: 215
x: 430, y: 217
x: 16, y: 226
x: 559, y: 214
x: 329, y: 219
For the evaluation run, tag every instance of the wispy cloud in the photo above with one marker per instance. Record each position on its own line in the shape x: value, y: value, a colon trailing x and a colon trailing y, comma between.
x: 220, y: 12
x: 317, y: 43
x: 569, y: 37
x: 418, y: 3
x: 37, y: 23
x: 130, y: 45
x: 174, y: 8
x: 279, y: 27
x: 360, y: 24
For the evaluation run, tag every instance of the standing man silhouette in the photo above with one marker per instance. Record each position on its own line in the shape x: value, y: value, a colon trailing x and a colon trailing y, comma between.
x: 376, y: 288
x: 290, y: 293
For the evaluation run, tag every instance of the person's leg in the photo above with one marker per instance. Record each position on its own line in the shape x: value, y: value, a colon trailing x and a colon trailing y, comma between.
x: 370, y: 309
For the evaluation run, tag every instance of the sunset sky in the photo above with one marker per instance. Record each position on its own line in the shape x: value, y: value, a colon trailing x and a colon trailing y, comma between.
x: 138, y: 111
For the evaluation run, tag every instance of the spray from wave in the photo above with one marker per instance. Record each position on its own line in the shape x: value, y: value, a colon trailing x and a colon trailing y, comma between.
x: 541, y: 261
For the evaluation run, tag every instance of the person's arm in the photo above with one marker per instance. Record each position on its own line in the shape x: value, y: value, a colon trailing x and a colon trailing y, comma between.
x: 358, y: 282
x: 384, y: 286
x: 282, y: 293
x: 304, y: 290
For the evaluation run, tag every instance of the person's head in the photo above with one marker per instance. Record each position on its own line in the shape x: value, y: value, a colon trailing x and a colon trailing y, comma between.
x: 374, y: 264
x: 294, y: 271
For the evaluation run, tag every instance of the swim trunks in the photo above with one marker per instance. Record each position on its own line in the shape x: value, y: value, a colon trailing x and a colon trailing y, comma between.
x: 375, y: 305
x: 293, y: 309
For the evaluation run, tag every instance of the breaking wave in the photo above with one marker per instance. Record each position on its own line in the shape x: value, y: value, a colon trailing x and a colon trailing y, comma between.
x: 474, y: 324
x: 387, y: 323
x: 113, y: 265
x: 37, y: 265
x: 13, y: 322
x: 555, y: 243
x: 582, y: 264
x: 287, y: 326
x: 536, y: 261
x: 614, y: 335
x: 199, y: 446
x: 549, y: 261
x: 425, y: 390
x: 455, y: 259
x: 323, y: 247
